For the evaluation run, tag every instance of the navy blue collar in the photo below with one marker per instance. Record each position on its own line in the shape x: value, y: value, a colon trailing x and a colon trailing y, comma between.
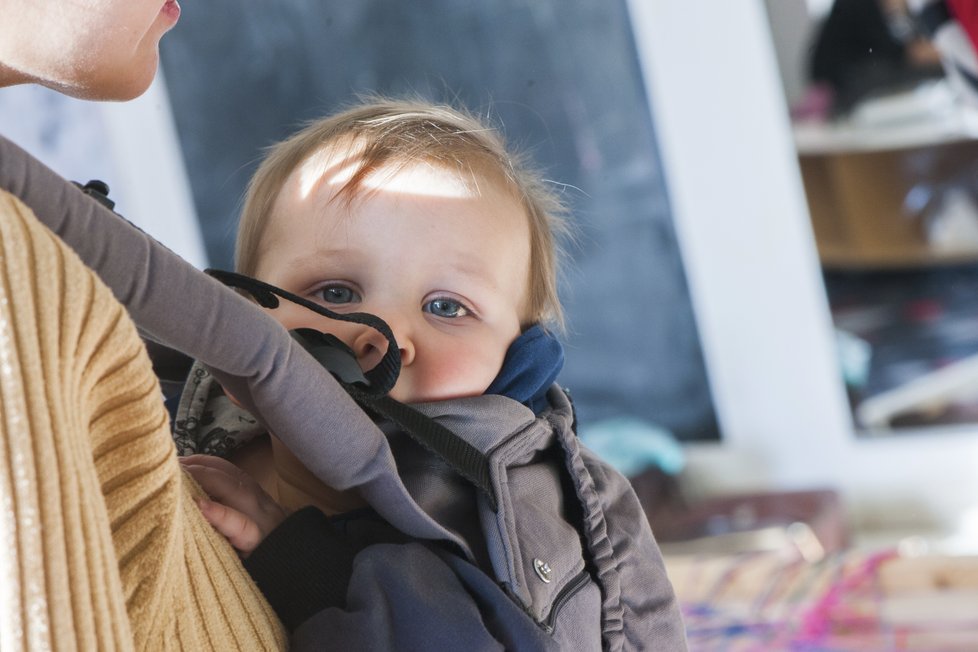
x: 530, y: 367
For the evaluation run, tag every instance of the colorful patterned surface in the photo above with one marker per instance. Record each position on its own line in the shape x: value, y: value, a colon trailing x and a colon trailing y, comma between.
x: 848, y: 602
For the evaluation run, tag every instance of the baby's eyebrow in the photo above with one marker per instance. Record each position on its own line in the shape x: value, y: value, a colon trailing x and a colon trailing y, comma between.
x: 324, y: 255
x: 476, y: 285
x: 472, y: 272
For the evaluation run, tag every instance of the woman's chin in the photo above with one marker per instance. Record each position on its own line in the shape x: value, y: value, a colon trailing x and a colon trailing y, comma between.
x: 113, y: 86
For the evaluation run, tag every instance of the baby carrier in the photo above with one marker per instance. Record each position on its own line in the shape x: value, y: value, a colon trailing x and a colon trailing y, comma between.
x: 515, y: 489
x: 498, y: 530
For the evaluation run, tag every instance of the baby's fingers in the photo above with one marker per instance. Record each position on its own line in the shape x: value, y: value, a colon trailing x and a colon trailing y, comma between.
x: 223, y: 484
x: 213, y: 462
x: 240, y: 531
x: 228, y: 485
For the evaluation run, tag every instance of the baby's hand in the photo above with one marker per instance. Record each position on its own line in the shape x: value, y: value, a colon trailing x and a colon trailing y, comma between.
x: 238, y: 507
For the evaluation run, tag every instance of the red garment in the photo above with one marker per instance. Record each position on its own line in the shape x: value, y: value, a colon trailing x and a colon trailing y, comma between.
x: 966, y: 13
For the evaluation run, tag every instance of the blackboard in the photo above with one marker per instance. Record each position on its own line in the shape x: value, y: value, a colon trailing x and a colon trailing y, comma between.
x: 560, y: 76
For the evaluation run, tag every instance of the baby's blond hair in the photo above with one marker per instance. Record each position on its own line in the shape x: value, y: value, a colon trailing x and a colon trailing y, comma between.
x: 387, y: 132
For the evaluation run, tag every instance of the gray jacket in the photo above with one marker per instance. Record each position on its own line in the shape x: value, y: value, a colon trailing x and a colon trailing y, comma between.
x: 406, y: 595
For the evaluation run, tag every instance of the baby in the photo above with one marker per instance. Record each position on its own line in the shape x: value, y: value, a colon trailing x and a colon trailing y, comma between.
x: 417, y: 214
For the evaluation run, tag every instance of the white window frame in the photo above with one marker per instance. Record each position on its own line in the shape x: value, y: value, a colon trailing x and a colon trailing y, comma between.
x: 743, y: 226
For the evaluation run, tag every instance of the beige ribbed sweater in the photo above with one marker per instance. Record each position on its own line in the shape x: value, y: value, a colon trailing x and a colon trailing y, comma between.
x: 101, y: 544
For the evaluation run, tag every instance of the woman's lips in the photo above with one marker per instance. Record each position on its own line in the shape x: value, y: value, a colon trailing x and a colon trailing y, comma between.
x: 171, y: 9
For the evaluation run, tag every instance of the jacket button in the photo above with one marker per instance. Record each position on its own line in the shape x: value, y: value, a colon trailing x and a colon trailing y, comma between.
x: 543, y: 570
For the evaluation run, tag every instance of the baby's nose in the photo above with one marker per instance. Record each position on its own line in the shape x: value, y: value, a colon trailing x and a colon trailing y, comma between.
x: 401, y: 328
x: 369, y: 347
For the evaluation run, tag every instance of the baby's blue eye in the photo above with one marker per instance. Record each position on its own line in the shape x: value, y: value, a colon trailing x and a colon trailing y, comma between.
x: 338, y: 294
x: 446, y: 308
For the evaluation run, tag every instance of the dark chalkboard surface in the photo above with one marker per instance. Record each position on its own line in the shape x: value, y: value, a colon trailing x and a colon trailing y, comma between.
x: 560, y: 76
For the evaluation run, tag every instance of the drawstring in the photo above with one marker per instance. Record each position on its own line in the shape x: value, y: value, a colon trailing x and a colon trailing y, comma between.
x: 375, y: 382
x: 369, y: 389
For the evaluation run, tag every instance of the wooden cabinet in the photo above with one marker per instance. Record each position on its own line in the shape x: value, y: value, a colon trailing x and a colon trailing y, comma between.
x: 895, y: 198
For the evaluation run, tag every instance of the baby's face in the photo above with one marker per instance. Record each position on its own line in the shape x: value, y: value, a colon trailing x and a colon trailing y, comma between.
x: 445, y: 265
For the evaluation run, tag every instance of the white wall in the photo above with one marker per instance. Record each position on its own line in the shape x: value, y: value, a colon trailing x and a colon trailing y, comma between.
x: 792, y: 42
x: 142, y: 134
x: 750, y: 256
x: 132, y: 146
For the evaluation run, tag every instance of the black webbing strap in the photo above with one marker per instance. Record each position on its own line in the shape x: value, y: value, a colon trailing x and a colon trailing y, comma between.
x: 380, y: 379
x: 369, y: 389
x: 464, y: 458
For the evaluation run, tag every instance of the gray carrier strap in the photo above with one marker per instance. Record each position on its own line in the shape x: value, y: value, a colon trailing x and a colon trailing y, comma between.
x: 370, y: 389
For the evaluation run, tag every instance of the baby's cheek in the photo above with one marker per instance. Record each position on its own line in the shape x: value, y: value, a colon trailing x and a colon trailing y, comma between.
x: 462, y: 373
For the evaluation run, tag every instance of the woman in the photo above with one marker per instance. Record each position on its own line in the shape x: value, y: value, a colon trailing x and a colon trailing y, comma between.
x: 104, y: 545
